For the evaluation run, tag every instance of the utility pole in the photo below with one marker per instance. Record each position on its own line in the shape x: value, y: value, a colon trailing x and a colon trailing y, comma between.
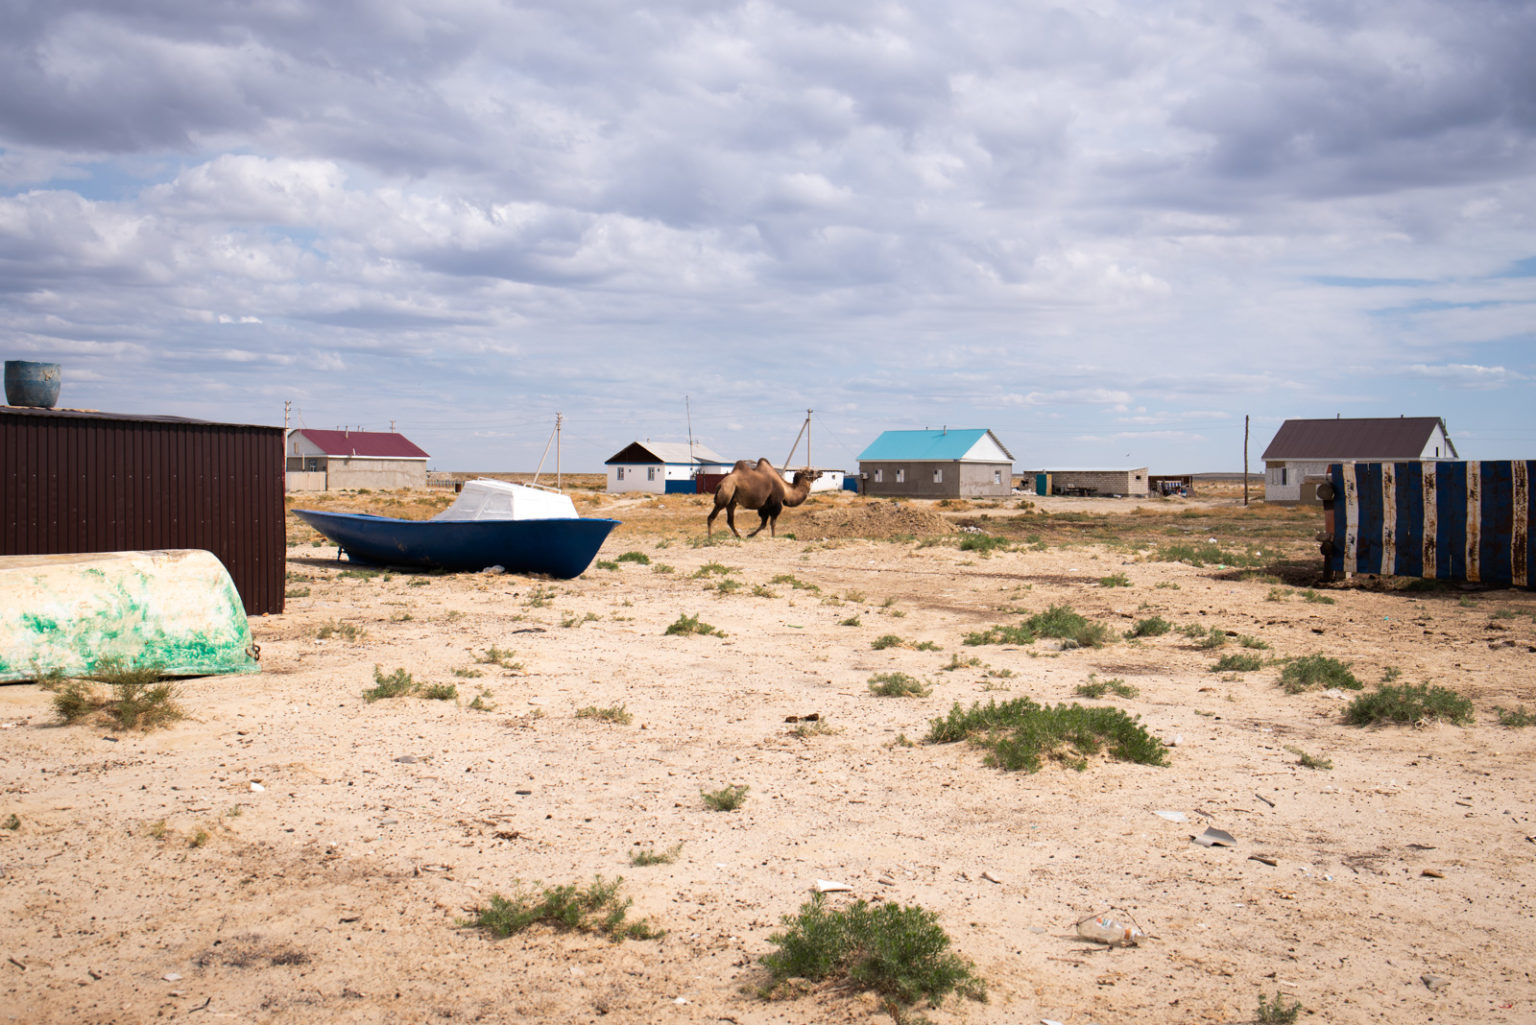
x: 391, y: 426
x: 1245, y: 458
x: 287, y: 406
x: 559, y: 419
x: 808, y: 464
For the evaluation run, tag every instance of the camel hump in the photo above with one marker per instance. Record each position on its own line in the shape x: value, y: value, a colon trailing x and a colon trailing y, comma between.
x: 764, y: 464
x: 742, y: 464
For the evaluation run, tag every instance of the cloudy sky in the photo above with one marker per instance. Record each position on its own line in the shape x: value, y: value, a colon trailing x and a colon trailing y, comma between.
x: 1106, y: 230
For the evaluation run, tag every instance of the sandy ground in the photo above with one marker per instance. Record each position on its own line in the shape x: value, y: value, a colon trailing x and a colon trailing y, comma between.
x: 332, y: 892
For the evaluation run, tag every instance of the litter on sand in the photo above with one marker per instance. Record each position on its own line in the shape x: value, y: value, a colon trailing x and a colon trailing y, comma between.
x: 1214, y: 837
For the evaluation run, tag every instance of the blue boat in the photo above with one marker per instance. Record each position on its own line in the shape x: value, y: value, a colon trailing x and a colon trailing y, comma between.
x: 490, y: 524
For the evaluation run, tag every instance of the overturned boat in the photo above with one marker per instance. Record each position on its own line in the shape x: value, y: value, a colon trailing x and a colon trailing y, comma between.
x: 520, y: 527
x: 175, y: 611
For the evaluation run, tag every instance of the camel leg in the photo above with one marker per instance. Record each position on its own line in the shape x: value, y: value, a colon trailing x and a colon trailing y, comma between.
x: 709, y: 524
x: 730, y: 517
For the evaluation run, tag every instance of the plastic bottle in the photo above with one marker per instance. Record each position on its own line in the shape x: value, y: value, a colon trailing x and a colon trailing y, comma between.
x: 1105, y: 929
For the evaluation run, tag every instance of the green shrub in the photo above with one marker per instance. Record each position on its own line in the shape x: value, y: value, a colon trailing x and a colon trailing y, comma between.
x: 886, y: 641
x: 686, y: 625
x: 597, y: 909
x: 396, y: 684
x: 1518, y: 719
x: 639, y: 558
x: 1316, y: 599
x: 1020, y: 732
x: 726, y: 798
x: 1279, y: 1012
x: 440, y: 692
x: 137, y: 697
x: 1114, y: 580
x: 1409, y: 703
x: 984, y: 543
x: 795, y: 582
x: 1154, y: 627
x: 1204, y: 554
x: 897, y: 951
x: 1309, y: 671
x: 616, y: 714
x: 1058, y: 621
x: 898, y: 685
x: 1238, y: 662
x: 715, y: 569
x: 651, y: 856
x: 1097, y: 688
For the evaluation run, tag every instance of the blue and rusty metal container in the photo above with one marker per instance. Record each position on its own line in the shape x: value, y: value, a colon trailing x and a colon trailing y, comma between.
x: 32, y: 384
x: 1445, y: 520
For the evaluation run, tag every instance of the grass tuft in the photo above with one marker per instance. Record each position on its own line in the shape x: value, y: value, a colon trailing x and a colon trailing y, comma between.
x: 1238, y: 662
x: 1019, y: 733
x: 639, y: 558
x: 1154, y: 627
x: 651, y: 856
x: 1058, y: 621
x: 1311, y: 671
x: 137, y: 697
x: 1278, y: 1012
x: 1097, y: 688
x: 1409, y: 703
x: 595, y: 909
x: 896, y: 951
x: 685, y: 625
x: 898, y: 685
x: 1516, y: 720
x: 396, y: 684
x: 726, y: 798
x: 616, y: 714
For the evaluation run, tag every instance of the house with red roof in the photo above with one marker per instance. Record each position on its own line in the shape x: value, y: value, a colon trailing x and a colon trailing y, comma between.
x: 333, y: 460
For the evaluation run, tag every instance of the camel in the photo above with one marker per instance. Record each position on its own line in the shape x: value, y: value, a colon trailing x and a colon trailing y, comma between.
x: 759, y: 487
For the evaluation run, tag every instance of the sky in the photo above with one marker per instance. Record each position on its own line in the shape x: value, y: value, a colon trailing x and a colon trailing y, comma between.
x: 1108, y: 230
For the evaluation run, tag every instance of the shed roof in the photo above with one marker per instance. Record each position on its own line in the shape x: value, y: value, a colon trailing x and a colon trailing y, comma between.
x: 368, y: 444
x: 663, y: 452
x: 1386, y: 437
x: 929, y: 446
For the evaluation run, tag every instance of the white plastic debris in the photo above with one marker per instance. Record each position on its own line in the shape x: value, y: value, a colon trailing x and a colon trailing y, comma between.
x: 1172, y: 816
x: 1107, y: 929
x: 257, y: 788
x: 830, y: 886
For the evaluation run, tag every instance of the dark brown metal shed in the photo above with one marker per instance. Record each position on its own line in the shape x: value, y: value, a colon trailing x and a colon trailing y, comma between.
x: 84, y: 481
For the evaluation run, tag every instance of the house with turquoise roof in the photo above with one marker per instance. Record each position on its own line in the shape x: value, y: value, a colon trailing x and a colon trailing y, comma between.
x: 947, y: 463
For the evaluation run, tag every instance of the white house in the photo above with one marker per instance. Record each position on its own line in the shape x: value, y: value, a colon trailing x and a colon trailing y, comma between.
x: 1304, y: 448
x: 661, y: 467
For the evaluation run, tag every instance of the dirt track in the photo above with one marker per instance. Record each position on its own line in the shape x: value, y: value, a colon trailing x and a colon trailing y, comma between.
x: 332, y: 894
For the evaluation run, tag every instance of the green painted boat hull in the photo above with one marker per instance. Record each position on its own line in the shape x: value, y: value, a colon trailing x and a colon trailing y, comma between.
x: 175, y: 610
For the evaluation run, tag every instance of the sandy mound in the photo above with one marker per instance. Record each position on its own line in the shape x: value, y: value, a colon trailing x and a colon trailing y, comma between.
x: 877, y: 520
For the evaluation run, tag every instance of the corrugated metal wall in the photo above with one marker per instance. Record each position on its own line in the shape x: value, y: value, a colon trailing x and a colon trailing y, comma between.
x: 75, y: 481
x: 1441, y: 519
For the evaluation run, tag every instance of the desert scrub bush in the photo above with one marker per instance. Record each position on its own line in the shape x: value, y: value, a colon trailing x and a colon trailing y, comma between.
x: 1409, y: 703
x: 1156, y: 626
x: 594, y: 909
x: 504, y: 657
x: 440, y: 692
x: 1097, y: 688
x: 986, y: 544
x: 898, y: 685
x: 1278, y: 1012
x: 1516, y: 720
x: 1058, y: 621
x: 1114, y: 580
x: 660, y: 567
x: 616, y: 714
x: 885, y: 641
x: 136, y: 697
x: 606, y: 564
x: 1317, y: 599
x: 418, y: 582
x: 897, y: 951
x: 1278, y: 594
x: 296, y: 592
x: 468, y: 674
x: 639, y: 558
x: 714, y: 569
x: 12, y: 822
x: 1309, y: 761
x: 1308, y: 671
x: 359, y: 574
x: 728, y: 586
x: 336, y: 628
x: 1205, y: 554
x: 727, y: 798
x: 851, y: 621
x: 1019, y: 733
x: 571, y: 621
x: 396, y: 684
x: 956, y: 662
x: 1252, y: 642
x: 685, y: 625
x: 1238, y: 662
x: 795, y: 582
x: 651, y: 856
x: 763, y: 591
x: 1215, y: 637
x: 818, y: 727
x: 483, y: 702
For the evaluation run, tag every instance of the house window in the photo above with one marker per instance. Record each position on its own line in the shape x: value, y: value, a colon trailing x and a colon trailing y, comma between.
x: 997, y: 476
x: 938, y: 475
x: 620, y: 474
x: 650, y: 473
x: 901, y: 475
x: 879, y: 476
x: 1283, y: 480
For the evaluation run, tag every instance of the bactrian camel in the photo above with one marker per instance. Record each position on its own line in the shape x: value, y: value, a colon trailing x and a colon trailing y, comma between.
x: 759, y: 487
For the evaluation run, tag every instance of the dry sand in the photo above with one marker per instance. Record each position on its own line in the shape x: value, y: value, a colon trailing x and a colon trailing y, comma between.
x: 331, y: 894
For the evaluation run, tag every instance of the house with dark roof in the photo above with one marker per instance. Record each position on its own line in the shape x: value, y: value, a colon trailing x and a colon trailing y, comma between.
x: 948, y: 463
x: 1304, y: 448
x: 661, y: 467
x: 333, y: 460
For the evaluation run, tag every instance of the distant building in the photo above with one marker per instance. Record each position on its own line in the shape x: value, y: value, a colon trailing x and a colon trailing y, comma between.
x: 949, y: 463
x: 1112, y: 481
x: 661, y: 467
x: 332, y: 460
x: 1304, y: 448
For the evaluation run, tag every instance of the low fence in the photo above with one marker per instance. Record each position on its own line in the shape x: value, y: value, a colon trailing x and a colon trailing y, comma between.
x: 1444, y: 520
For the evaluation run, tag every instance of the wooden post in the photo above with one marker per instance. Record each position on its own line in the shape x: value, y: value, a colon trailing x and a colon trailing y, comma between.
x: 1245, y: 458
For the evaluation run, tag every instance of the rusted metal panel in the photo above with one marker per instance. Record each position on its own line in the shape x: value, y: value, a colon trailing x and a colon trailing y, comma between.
x: 1446, y: 519
x: 80, y: 481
